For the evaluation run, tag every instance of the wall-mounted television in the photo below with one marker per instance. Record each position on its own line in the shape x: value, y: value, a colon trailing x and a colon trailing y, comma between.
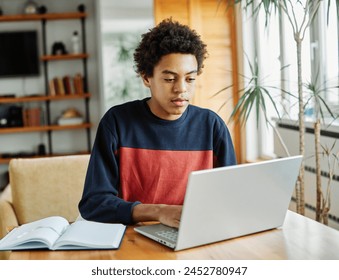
x: 19, y: 54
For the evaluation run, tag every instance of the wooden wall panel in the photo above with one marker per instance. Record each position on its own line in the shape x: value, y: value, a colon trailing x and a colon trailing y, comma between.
x: 177, y: 9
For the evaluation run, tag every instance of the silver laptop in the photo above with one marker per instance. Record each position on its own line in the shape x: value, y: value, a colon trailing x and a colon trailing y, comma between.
x: 229, y: 202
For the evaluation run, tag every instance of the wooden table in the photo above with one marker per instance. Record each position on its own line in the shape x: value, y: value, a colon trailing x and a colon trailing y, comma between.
x: 299, y: 238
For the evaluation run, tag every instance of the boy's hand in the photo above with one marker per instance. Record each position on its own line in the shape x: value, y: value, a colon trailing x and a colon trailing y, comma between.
x: 166, y: 214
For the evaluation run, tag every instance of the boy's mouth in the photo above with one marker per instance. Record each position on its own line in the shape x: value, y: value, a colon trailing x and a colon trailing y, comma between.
x: 180, y: 102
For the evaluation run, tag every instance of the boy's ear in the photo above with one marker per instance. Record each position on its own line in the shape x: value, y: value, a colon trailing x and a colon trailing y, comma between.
x: 146, y: 80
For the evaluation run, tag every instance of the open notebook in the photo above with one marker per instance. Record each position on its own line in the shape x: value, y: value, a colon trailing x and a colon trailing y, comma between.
x: 55, y: 233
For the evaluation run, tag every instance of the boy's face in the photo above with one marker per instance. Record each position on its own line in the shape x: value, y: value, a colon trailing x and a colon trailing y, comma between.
x: 172, y: 85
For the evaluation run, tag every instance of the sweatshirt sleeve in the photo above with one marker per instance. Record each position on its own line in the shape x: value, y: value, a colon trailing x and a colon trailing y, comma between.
x: 100, y: 201
x: 223, y: 145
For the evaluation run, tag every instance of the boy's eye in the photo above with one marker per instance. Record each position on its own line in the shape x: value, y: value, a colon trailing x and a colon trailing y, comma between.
x: 187, y: 79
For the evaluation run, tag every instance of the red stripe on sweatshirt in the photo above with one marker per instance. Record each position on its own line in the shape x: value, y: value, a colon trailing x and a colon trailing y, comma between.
x: 159, y: 176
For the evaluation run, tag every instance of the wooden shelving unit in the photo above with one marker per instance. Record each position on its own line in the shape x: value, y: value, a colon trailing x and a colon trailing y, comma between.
x: 45, y: 98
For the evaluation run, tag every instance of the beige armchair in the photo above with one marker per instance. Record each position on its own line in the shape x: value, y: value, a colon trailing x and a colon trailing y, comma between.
x: 43, y: 187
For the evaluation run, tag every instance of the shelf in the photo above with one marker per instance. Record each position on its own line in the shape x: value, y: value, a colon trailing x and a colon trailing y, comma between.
x: 64, y: 57
x: 38, y: 98
x: 43, y: 128
x: 66, y: 127
x: 7, y: 159
x: 38, y: 17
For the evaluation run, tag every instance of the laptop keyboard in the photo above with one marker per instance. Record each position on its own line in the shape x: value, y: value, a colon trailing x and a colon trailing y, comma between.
x: 171, y: 234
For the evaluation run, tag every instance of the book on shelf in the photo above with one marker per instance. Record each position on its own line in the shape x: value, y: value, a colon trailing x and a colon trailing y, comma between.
x: 56, y: 86
x: 52, y: 89
x: 56, y: 233
x: 32, y: 117
x: 61, y: 88
x: 78, y: 84
x: 68, y: 85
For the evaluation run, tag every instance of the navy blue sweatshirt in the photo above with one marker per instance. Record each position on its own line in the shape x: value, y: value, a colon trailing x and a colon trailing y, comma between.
x: 139, y: 158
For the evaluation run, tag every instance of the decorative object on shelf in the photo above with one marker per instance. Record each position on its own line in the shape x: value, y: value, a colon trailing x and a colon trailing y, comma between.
x: 15, y: 116
x: 59, y: 48
x: 42, y: 10
x: 81, y: 8
x: 1, y: 12
x: 3, y: 121
x: 31, y: 7
x: 11, y: 116
x: 70, y: 116
x: 41, y: 149
x: 75, y: 42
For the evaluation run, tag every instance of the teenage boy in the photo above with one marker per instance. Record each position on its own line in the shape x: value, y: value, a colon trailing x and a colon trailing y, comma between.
x: 145, y: 149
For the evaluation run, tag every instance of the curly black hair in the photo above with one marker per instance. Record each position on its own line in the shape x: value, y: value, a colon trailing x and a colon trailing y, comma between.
x: 167, y: 37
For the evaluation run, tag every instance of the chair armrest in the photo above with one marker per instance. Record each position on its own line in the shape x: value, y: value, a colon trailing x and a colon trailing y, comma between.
x: 8, y: 218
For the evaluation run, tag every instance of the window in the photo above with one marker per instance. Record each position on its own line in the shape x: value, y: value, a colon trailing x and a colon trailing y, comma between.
x: 120, y: 25
x: 274, y: 47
